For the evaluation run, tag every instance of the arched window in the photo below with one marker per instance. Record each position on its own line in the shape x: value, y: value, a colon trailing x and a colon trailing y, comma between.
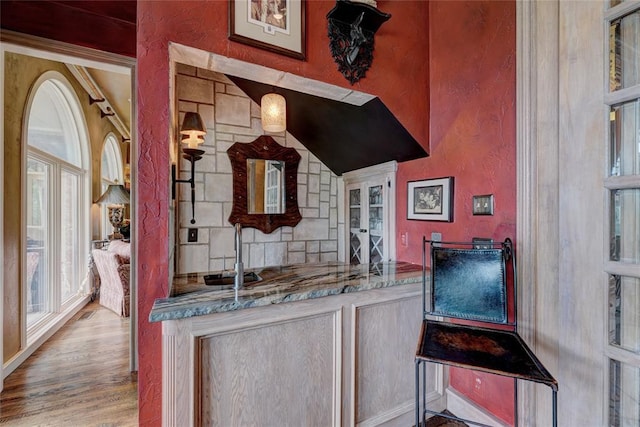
x: 111, y: 172
x: 52, y: 125
x: 56, y: 199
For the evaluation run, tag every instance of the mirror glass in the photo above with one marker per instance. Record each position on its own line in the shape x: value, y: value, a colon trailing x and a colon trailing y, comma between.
x: 265, y: 186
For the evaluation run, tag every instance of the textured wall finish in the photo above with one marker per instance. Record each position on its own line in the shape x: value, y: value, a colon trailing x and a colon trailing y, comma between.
x: 472, y: 138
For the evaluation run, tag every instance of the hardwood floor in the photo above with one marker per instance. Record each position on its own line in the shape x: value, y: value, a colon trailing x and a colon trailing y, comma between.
x: 80, y: 377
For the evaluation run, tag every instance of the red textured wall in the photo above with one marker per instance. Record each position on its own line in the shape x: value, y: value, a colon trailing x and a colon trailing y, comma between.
x: 399, y: 76
x: 472, y: 137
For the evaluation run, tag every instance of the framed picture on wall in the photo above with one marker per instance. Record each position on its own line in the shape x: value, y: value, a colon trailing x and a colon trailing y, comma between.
x: 274, y: 25
x: 430, y: 199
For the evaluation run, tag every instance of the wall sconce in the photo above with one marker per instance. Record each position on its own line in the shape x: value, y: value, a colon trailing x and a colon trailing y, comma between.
x: 115, y: 198
x: 192, y: 134
x: 273, y: 109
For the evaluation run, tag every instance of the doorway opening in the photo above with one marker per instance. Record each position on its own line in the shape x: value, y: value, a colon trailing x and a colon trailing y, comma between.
x: 55, y: 129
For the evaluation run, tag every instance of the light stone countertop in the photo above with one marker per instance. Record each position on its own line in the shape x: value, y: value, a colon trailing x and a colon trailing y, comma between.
x: 191, y: 297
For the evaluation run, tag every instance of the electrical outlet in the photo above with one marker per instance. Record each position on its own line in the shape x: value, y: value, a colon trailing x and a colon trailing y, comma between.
x: 436, y: 237
x: 482, y: 243
x: 192, y: 235
x: 404, y: 239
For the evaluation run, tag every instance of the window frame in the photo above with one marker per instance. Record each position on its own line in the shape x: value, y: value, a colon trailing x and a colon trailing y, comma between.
x: 612, y: 183
x: 56, y: 307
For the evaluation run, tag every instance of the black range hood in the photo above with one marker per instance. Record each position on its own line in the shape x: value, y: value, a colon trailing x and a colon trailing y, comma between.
x: 343, y: 136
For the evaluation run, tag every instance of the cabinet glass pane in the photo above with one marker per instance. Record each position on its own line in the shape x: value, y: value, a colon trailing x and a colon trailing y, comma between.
x: 625, y: 138
x: 624, y: 52
x: 355, y: 245
x: 354, y: 197
x: 624, y: 312
x: 355, y: 249
x: 376, y: 249
x: 624, y: 394
x: 625, y: 226
x: 375, y: 220
x: 375, y: 195
x: 375, y: 209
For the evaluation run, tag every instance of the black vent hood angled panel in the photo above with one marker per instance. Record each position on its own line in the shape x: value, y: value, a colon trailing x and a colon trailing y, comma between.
x: 343, y: 136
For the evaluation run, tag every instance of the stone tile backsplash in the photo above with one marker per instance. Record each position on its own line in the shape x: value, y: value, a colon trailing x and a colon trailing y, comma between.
x: 231, y: 116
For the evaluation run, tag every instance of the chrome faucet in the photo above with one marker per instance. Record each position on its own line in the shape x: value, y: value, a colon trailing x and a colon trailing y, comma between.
x: 239, y: 268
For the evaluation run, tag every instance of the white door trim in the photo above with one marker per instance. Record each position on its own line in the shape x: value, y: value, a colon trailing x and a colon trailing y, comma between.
x: 537, y: 213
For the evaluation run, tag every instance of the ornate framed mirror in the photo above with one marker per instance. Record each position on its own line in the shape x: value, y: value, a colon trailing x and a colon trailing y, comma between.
x: 265, y: 184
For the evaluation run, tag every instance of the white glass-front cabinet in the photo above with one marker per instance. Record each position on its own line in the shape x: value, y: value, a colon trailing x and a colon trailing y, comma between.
x: 370, y: 213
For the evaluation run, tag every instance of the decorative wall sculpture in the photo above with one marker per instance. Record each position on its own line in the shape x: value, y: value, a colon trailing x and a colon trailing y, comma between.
x: 352, y: 25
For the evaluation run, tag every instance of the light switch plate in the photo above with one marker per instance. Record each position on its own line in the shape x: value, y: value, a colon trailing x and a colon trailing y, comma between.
x: 192, y: 235
x: 483, y: 204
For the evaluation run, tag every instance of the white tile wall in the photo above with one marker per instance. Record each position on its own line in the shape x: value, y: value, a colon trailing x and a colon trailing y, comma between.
x: 230, y: 116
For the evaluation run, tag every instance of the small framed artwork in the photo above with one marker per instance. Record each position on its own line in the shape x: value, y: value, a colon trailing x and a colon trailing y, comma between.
x: 430, y: 199
x: 274, y: 25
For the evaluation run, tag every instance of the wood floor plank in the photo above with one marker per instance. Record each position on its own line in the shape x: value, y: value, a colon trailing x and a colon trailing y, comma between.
x: 80, y: 377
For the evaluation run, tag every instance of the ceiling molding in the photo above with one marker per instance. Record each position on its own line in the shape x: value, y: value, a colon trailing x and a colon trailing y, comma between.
x: 96, y: 94
x: 54, y: 50
x: 268, y: 76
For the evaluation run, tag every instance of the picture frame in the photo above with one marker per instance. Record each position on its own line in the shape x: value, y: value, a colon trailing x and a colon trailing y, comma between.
x: 279, y: 28
x: 430, y: 199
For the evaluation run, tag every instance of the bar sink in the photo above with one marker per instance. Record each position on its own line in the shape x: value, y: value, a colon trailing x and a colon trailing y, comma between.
x: 226, y: 281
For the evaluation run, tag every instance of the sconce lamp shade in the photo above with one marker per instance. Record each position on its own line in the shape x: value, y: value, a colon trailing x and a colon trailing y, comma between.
x: 192, y: 130
x: 115, y: 195
x: 274, y: 112
x: 192, y: 124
